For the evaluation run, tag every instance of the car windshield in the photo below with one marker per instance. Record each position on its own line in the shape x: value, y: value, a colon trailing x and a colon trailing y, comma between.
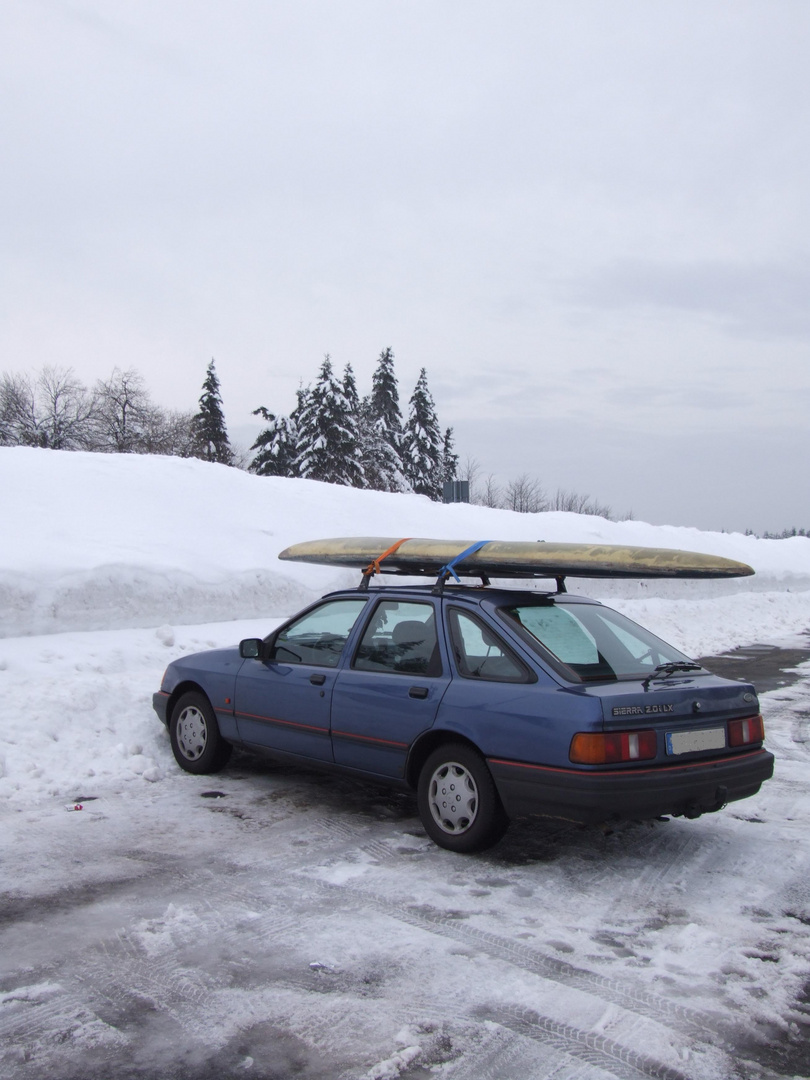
x: 594, y: 642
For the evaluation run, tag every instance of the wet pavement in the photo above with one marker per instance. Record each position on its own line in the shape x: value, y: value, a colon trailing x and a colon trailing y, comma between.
x: 768, y: 667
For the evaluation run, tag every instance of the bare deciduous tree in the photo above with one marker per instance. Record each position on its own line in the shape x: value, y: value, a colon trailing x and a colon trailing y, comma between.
x: 168, y: 432
x: 18, y: 412
x: 65, y: 409
x: 468, y: 470
x: 575, y: 503
x: 489, y: 494
x: 123, y: 412
x: 525, y: 495
x: 55, y: 411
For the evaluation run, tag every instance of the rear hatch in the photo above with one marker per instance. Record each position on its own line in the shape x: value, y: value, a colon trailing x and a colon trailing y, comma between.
x: 688, y: 713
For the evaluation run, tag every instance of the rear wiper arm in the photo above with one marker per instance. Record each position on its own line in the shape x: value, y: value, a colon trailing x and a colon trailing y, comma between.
x: 663, y: 670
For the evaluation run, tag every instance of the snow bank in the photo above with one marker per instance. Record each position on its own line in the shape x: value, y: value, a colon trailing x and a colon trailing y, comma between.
x: 100, y: 541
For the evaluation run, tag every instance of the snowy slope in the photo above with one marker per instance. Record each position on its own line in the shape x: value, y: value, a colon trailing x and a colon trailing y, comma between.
x: 96, y: 541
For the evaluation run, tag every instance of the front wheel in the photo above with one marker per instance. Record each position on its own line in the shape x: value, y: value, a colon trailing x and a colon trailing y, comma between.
x: 458, y: 802
x: 197, y: 744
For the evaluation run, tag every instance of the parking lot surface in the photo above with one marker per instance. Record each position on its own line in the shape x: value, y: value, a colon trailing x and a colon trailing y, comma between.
x: 275, y: 923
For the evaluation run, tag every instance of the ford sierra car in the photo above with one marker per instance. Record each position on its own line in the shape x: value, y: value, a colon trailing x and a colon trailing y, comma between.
x: 488, y: 703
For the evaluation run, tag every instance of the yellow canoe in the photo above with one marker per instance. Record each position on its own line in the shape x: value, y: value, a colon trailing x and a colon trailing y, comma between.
x: 512, y: 558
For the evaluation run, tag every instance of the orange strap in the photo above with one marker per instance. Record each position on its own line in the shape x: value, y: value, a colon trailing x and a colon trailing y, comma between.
x: 374, y: 566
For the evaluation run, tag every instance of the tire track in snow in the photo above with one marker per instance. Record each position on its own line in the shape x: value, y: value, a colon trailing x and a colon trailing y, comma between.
x: 633, y: 998
x: 222, y: 892
x: 121, y: 970
x: 560, y: 1041
x: 29, y: 1018
x: 596, y: 1050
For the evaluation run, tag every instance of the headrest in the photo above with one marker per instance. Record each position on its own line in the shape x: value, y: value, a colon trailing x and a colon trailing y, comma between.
x: 411, y: 632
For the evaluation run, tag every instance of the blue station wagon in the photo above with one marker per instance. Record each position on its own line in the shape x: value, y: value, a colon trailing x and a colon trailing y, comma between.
x: 489, y: 703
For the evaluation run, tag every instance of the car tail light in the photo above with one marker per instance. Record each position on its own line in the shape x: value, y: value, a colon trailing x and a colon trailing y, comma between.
x: 749, y: 730
x: 606, y: 749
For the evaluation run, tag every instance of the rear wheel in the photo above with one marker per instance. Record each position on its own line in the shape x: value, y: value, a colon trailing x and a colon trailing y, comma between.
x: 458, y: 801
x: 197, y: 744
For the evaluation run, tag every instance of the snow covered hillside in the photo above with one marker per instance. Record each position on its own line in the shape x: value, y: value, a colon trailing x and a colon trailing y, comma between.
x: 103, y: 541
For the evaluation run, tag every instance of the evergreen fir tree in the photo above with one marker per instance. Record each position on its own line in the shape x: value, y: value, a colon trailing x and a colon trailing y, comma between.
x: 381, y: 430
x: 277, y: 446
x: 355, y: 473
x: 280, y: 443
x: 209, y: 434
x: 385, y: 393
x: 327, y: 441
x: 449, y: 457
x: 422, y: 454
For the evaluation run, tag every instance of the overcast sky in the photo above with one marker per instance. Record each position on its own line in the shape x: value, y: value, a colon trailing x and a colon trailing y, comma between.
x: 587, y: 220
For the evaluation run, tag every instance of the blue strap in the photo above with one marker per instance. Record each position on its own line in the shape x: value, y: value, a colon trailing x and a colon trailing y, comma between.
x: 471, y: 550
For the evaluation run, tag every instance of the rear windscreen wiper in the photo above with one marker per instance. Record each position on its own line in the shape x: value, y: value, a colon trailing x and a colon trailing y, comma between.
x: 663, y: 670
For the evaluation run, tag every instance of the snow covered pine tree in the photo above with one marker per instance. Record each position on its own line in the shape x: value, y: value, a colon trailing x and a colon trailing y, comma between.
x: 449, y: 457
x: 327, y: 434
x: 381, y: 430
x: 422, y: 454
x: 277, y: 446
x: 209, y: 434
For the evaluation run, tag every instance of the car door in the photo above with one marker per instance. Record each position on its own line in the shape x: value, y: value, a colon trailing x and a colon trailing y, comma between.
x: 282, y: 703
x: 390, y: 692
x: 497, y: 700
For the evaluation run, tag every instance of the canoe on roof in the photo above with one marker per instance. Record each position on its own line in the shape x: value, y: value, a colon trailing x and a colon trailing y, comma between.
x: 512, y: 558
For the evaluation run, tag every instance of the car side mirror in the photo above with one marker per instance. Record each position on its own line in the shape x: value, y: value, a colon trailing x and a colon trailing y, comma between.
x: 251, y: 648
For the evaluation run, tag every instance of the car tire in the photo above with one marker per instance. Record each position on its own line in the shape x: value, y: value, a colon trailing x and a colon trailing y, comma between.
x: 197, y: 744
x: 458, y: 801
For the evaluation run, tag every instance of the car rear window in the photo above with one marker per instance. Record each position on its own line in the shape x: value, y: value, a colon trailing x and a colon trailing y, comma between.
x: 591, y: 641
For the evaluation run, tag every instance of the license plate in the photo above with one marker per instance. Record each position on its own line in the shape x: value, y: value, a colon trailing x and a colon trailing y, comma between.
x: 688, y: 742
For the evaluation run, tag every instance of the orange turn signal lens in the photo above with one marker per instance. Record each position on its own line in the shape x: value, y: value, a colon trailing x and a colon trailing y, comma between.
x: 743, y: 732
x: 589, y: 748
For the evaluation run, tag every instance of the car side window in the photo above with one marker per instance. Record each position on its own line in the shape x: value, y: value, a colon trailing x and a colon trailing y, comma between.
x: 480, y: 653
x: 400, y: 638
x: 319, y: 636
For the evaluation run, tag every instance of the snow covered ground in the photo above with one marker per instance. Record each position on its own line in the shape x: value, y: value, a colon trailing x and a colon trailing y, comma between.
x: 302, y: 925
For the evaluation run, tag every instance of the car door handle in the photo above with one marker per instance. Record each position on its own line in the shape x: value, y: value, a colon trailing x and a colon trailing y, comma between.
x: 317, y: 680
x: 418, y: 692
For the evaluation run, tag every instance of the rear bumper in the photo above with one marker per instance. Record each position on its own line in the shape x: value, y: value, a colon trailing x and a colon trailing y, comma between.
x: 688, y: 789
